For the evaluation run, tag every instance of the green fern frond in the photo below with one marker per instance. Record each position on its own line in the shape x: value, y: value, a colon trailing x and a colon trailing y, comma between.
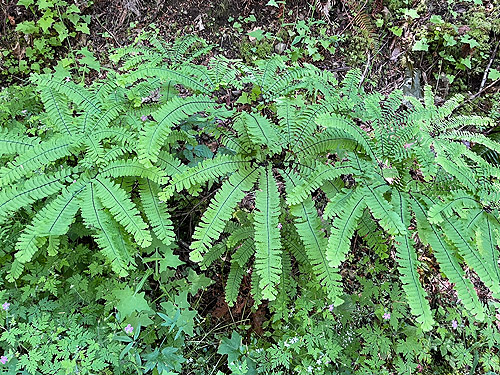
x: 447, y: 260
x: 177, y: 76
x: 58, y: 112
x: 415, y: 294
x: 267, y: 235
x: 107, y: 232
x: 244, y: 252
x: 340, y: 122
x: 132, y: 168
x: 408, y: 264
x: 77, y: 94
x: 487, y: 230
x: 154, y: 134
x: 321, y: 173
x: 156, y: 213
x: 238, y: 235
x: 213, y: 220
x: 209, y: 169
x: 457, y: 234
x: 12, y: 143
x: 37, y: 157
x: 212, y: 255
x: 330, y: 140
x: 53, y: 219
x: 343, y: 229
x: 457, y: 201
x: 382, y: 210
x: 308, y: 226
x: 33, y: 189
x: 233, y: 283
x: 261, y: 131
x: 116, y: 200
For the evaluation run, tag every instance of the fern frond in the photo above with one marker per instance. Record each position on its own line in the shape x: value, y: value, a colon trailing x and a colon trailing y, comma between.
x: 107, y: 232
x: 335, y: 121
x: 321, y: 173
x: 213, y: 254
x: 244, y: 252
x: 415, y: 294
x: 383, y: 210
x: 213, y: 220
x: 33, y: 189
x: 445, y: 256
x: 457, y: 234
x: 37, y: 157
x: 408, y: 264
x: 238, y: 235
x: 77, y: 94
x: 53, y: 219
x: 343, y: 229
x: 58, y: 112
x: 459, y: 200
x: 209, y: 169
x: 158, y: 216
x: 131, y: 168
x: 261, y: 131
x: 486, y: 233
x: 308, y: 227
x: 233, y: 283
x: 116, y: 200
x: 154, y: 134
x: 14, y: 143
x: 166, y: 74
x: 267, y: 235
x: 328, y: 141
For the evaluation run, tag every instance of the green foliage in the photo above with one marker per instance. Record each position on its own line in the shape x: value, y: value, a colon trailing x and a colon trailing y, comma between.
x: 370, y: 333
x: 281, y: 184
x: 51, y: 27
x: 399, y: 169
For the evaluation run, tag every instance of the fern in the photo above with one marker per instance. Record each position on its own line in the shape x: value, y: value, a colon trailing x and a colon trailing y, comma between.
x: 267, y: 237
x: 213, y: 221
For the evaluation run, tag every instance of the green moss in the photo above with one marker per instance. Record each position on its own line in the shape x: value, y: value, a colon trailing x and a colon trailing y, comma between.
x: 255, y: 51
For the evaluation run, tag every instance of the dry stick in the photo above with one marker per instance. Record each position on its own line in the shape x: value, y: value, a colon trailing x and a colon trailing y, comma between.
x: 471, y: 98
x: 485, y: 75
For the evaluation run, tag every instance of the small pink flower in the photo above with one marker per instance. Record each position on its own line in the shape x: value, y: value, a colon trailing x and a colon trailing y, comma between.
x: 387, y: 316
x: 4, y: 359
x: 129, y: 328
x: 330, y: 308
x: 144, y: 118
x: 6, y: 306
x: 420, y: 368
x: 280, y: 226
x: 454, y: 324
x: 408, y: 145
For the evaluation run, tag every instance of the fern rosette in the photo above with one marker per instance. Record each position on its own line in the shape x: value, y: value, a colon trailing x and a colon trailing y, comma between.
x: 394, y: 174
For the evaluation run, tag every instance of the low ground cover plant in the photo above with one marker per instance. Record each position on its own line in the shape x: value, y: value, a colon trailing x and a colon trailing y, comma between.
x: 287, y: 165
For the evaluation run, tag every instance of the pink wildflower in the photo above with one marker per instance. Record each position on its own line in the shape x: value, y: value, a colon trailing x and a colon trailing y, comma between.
x: 129, y: 328
x: 330, y: 308
x: 420, y: 368
x: 4, y: 359
x: 280, y: 226
x: 144, y: 118
x: 387, y: 316
x: 454, y: 324
x: 6, y: 306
